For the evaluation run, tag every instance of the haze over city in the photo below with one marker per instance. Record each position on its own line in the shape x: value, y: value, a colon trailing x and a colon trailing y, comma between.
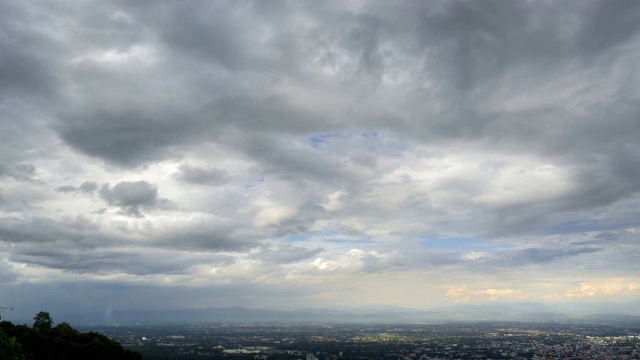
x: 289, y: 155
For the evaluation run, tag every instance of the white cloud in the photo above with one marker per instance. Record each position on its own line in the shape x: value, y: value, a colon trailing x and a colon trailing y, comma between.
x: 465, y: 295
x: 610, y: 290
x: 136, y: 55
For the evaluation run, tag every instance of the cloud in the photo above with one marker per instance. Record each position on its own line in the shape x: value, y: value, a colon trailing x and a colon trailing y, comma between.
x: 65, y: 189
x: 268, y: 142
x: 127, y: 139
x: 202, y: 176
x: 19, y: 172
x: 131, y: 197
x: 602, y: 32
x: 124, y: 261
x: 542, y: 255
x: 466, y: 295
x: 359, y: 261
x: 287, y: 253
x: 616, y: 287
x: 8, y: 274
x: 87, y: 187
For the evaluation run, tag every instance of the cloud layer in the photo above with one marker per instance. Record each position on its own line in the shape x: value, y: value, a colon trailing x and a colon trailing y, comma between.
x: 329, y: 150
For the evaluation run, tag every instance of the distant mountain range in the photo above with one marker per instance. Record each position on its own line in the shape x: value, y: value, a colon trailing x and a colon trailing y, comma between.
x: 609, y: 313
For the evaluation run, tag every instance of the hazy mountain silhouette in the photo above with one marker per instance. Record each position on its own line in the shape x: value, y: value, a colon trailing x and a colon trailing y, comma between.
x: 528, y: 312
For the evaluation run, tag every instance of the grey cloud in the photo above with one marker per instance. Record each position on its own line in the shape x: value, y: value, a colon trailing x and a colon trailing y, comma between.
x: 83, y: 246
x: 65, y: 189
x: 19, y: 172
x: 542, y: 255
x: 83, y: 235
x: 295, y: 164
x: 211, y: 236
x: 410, y: 260
x: 287, y: 253
x: 494, y: 261
x: 102, y: 261
x: 208, y: 31
x: 126, y: 139
x: 75, y: 232
x: 87, y: 187
x: 202, y: 176
x: 480, y: 41
x: 7, y: 274
x: 27, y: 68
x: 597, y: 186
x: 24, y: 171
x: 477, y: 42
x: 601, y: 239
x: 607, y: 236
x: 131, y: 197
x: 609, y: 24
x: 473, y: 38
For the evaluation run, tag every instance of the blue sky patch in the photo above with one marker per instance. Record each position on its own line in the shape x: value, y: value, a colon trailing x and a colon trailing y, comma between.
x: 320, y: 139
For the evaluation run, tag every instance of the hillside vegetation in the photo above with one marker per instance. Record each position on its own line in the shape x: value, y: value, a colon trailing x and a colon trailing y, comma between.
x: 43, y: 341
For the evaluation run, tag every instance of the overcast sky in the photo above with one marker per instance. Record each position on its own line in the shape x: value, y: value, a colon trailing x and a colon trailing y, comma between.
x: 294, y: 154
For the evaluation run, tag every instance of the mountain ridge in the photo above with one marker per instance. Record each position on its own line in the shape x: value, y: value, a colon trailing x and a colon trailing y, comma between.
x: 492, y: 312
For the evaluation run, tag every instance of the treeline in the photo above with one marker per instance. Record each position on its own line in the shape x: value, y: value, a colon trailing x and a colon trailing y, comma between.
x: 43, y: 341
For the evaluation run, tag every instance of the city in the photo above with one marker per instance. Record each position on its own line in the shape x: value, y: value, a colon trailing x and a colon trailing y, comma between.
x: 490, y: 340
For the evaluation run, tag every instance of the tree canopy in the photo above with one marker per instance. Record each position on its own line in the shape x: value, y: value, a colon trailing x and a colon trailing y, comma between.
x: 42, y: 321
x: 47, y: 342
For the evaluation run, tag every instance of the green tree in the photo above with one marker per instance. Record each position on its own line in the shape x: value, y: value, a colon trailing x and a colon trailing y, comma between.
x: 43, y: 341
x: 10, y: 348
x: 42, y: 321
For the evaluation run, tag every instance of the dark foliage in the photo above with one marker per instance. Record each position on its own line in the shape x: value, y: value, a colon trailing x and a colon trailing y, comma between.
x: 43, y: 341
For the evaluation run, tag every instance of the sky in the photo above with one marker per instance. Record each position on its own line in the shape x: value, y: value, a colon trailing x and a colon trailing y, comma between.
x: 318, y: 154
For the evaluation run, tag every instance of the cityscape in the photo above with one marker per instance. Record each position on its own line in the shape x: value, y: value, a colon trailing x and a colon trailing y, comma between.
x: 478, y: 340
